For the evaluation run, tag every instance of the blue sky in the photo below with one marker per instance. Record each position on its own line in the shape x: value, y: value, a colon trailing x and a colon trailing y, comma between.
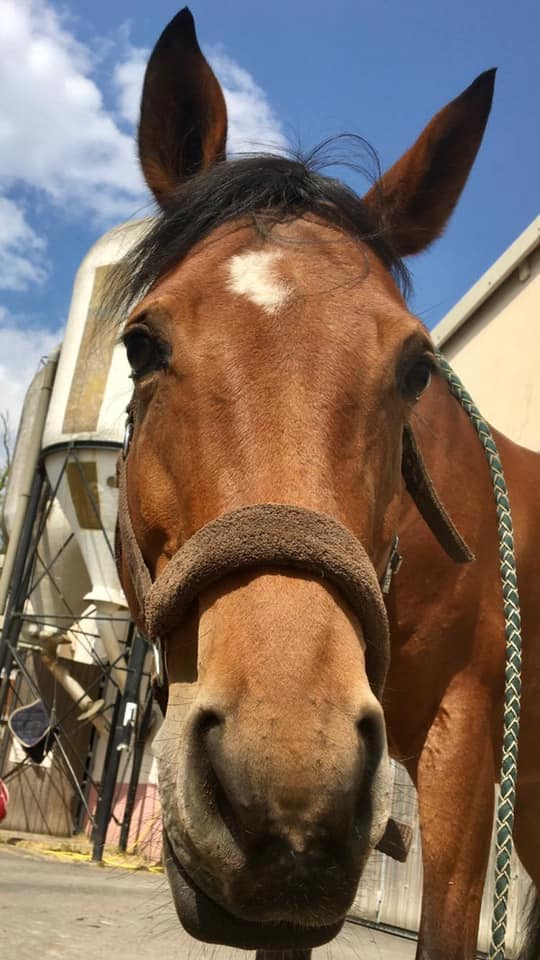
x: 70, y: 77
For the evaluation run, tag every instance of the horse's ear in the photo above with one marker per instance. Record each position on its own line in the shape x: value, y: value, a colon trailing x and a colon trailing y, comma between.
x: 183, y: 124
x: 415, y: 198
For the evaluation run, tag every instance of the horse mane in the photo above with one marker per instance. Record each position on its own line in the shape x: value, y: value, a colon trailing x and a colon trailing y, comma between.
x: 269, y: 189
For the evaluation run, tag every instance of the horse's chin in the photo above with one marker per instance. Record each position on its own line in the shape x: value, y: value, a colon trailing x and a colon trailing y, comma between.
x: 206, y: 920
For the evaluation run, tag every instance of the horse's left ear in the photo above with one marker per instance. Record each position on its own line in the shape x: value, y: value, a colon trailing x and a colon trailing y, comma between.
x: 415, y: 198
x: 183, y: 124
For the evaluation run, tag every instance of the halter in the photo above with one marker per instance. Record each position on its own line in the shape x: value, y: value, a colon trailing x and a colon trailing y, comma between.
x: 277, y: 535
x: 260, y: 535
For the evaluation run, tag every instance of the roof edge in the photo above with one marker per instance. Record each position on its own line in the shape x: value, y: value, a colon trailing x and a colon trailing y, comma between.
x: 483, y: 289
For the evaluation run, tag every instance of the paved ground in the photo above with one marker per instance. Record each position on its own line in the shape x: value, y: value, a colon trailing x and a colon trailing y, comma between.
x: 76, y: 911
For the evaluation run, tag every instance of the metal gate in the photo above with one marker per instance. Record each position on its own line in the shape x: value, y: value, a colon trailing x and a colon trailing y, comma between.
x: 99, y: 708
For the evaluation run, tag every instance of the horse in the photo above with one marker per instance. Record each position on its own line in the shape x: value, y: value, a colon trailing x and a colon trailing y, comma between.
x: 288, y: 420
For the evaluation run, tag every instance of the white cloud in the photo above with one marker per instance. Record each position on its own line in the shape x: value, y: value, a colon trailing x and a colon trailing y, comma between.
x: 55, y: 133
x: 253, y: 124
x: 22, y: 262
x: 21, y: 349
x: 128, y: 79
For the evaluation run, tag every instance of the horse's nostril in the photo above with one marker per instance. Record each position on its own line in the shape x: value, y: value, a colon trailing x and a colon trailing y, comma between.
x: 207, y: 721
x: 371, y: 737
x: 208, y: 730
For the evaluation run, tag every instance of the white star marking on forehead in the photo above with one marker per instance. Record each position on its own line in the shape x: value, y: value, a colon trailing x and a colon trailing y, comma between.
x: 253, y: 275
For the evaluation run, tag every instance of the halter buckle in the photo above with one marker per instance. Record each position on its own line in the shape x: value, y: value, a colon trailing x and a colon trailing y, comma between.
x: 392, y: 567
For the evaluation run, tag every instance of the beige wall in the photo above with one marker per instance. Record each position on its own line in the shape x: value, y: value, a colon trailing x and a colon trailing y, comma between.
x: 497, y: 354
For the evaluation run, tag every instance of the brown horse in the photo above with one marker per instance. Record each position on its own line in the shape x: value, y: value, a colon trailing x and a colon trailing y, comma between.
x: 278, y: 375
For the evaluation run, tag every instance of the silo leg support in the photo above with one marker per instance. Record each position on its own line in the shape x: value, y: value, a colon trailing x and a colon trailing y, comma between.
x: 125, y: 723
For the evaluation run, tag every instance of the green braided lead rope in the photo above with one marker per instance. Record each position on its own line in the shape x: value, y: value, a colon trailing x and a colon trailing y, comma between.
x: 512, y: 688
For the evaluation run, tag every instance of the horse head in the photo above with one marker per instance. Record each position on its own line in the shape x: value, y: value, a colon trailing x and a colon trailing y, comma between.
x: 276, y: 367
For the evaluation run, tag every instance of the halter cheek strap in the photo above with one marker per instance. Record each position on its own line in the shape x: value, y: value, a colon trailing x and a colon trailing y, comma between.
x: 420, y: 486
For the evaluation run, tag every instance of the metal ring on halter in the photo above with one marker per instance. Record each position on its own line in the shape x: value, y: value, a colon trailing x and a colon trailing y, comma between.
x: 128, y: 434
x: 159, y: 665
x: 394, y: 563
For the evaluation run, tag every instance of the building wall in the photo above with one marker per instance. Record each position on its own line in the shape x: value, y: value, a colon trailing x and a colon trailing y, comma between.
x: 497, y: 354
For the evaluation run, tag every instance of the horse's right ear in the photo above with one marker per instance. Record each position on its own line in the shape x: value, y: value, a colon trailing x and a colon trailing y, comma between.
x: 183, y: 124
x: 416, y: 197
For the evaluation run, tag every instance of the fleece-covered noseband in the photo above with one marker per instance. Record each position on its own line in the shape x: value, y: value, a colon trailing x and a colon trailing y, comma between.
x: 258, y: 536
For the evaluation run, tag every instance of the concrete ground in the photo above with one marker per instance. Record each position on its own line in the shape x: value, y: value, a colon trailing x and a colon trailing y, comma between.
x: 51, y: 910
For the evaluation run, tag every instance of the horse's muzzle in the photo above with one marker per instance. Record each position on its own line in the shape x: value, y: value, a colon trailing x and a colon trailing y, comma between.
x: 270, y: 845
x: 274, y: 847
x: 206, y: 920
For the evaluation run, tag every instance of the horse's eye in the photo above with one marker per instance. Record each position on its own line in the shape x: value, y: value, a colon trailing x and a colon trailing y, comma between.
x: 418, y: 377
x: 145, y: 354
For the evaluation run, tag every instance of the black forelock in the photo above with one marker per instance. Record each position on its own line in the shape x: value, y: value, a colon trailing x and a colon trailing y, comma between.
x: 266, y: 189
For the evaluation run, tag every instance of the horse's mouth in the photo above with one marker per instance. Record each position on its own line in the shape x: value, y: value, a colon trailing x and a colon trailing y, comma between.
x: 206, y: 920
